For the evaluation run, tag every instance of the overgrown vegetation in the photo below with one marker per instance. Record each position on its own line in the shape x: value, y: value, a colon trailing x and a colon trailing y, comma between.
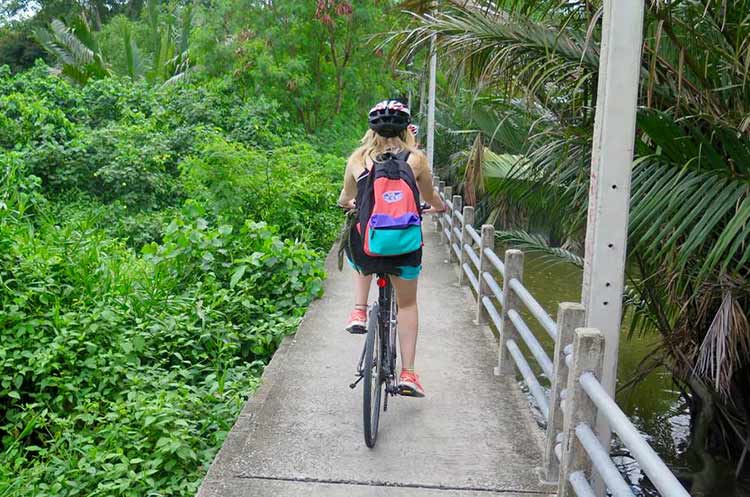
x: 141, y: 291
x: 157, y: 241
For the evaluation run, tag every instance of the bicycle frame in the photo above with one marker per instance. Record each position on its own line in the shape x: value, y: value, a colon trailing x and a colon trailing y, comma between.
x: 387, y: 329
x: 377, y: 363
x: 387, y: 323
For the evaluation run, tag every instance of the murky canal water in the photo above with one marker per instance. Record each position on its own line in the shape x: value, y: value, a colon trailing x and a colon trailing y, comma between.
x: 654, y: 405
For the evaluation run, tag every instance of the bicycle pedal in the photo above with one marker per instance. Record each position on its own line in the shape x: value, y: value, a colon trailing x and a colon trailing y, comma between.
x: 354, y: 385
x: 409, y: 392
x: 357, y: 330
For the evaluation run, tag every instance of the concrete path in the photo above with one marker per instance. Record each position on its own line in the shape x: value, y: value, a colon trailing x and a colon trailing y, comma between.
x: 301, y: 433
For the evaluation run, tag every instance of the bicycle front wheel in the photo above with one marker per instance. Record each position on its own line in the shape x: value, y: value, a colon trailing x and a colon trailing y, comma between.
x: 372, y: 379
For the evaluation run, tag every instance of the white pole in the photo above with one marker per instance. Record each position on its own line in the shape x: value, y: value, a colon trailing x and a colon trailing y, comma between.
x: 431, y: 105
x: 422, y: 95
x: 609, y: 194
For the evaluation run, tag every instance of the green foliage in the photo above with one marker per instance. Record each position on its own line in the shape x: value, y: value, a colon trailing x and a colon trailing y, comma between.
x: 311, y: 56
x: 158, y: 241
x: 117, y: 364
x: 155, y: 248
x: 80, y: 58
x: 76, y: 49
x: 18, y: 48
x: 290, y: 185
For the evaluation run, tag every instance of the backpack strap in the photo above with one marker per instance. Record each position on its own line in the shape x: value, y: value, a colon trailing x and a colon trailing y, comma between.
x: 403, y: 155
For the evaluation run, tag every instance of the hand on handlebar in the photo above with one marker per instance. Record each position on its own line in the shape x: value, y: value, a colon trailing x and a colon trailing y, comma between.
x: 349, y: 206
x: 428, y: 209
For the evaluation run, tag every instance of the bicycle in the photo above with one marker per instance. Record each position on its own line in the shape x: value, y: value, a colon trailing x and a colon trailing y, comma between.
x: 377, y: 363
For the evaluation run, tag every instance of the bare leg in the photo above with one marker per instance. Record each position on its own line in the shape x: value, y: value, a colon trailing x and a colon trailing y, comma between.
x: 408, y: 319
x: 361, y: 290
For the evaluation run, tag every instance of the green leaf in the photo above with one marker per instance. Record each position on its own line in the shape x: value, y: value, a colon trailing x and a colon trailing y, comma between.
x: 237, y: 275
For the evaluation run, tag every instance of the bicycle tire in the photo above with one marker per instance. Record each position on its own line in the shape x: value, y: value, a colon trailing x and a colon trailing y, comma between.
x: 372, y: 379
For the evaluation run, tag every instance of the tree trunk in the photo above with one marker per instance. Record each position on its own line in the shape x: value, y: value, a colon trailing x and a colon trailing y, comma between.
x: 339, y: 91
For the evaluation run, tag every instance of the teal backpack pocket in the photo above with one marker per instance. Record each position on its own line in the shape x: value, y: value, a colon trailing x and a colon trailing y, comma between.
x: 394, y: 241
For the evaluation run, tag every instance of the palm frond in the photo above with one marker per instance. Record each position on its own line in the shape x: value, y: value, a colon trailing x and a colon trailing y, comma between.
x: 78, y: 58
x: 537, y: 244
x: 79, y: 53
x: 134, y: 62
x: 726, y: 345
x: 512, y: 48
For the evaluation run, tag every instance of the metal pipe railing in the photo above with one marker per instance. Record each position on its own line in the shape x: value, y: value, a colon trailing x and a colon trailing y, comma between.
x: 535, y: 308
x: 581, y: 485
x: 649, y: 461
x: 494, y: 287
x: 528, y: 375
x: 470, y: 275
x: 456, y: 249
x: 472, y: 255
x: 494, y: 315
x: 532, y: 343
x: 602, y: 462
x: 572, y: 450
x: 474, y: 235
x: 496, y: 262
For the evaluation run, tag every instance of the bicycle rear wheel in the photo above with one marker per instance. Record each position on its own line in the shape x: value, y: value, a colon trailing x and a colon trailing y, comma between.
x: 372, y: 379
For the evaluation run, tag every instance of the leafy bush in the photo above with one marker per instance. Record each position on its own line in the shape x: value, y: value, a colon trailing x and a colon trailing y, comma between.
x: 155, y: 248
x: 29, y: 121
x: 132, y: 368
x: 292, y: 186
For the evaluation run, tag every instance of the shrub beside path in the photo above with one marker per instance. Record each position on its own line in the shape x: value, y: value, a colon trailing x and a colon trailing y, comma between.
x: 300, y: 434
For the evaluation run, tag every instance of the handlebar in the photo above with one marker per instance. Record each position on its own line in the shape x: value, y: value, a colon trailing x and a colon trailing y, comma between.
x: 424, y: 206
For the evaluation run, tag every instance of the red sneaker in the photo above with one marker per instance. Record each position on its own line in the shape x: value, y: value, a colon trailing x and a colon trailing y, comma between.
x: 408, y: 384
x: 357, y: 324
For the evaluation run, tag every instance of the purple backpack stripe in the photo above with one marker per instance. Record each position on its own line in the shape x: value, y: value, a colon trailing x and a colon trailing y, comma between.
x: 386, y: 221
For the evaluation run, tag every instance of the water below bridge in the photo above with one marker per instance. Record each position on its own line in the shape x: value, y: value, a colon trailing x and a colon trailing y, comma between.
x: 653, y: 404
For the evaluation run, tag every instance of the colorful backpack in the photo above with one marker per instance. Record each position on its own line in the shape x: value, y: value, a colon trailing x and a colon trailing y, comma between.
x: 390, y: 217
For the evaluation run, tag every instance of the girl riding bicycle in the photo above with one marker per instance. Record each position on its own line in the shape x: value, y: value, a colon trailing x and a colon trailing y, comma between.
x: 388, y: 133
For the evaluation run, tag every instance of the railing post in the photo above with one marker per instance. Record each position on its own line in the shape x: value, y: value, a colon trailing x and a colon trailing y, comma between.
x: 513, y: 269
x: 569, y: 317
x: 588, y: 353
x: 439, y: 185
x: 465, y: 239
x: 455, y: 223
x: 448, y: 190
x: 488, y: 242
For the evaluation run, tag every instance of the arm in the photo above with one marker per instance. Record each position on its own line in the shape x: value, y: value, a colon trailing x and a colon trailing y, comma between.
x: 424, y: 184
x: 349, y: 190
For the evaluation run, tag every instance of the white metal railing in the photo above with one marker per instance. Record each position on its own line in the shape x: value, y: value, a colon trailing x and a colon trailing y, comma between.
x: 479, y: 268
x: 573, y: 453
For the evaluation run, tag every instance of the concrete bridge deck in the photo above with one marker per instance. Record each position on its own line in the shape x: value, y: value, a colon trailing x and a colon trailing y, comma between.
x: 300, y: 434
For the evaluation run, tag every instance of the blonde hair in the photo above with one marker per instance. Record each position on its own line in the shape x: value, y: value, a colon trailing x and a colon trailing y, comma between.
x: 374, y: 145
